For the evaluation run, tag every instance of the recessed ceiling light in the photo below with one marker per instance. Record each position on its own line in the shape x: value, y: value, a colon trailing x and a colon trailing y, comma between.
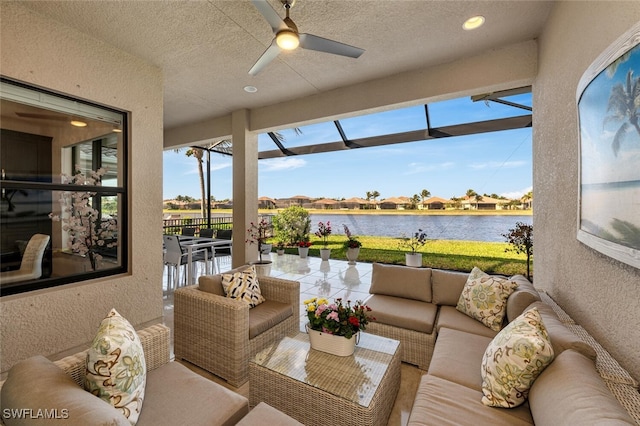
x: 78, y: 123
x: 250, y: 89
x: 473, y: 22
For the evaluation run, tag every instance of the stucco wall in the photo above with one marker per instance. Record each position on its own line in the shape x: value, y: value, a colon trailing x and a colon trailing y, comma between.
x: 601, y: 294
x: 46, y: 54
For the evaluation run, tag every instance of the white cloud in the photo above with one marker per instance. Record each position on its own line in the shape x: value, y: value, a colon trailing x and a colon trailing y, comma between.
x: 514, y: 195
x: 497, y: 165
x: 279, y: 164
x: 414, y: 168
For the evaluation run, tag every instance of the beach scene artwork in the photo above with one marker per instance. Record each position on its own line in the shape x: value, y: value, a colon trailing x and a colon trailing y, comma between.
x: 609, y: 111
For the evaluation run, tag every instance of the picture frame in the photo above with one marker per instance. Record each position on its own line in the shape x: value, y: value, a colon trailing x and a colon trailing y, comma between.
x: 608, y: 104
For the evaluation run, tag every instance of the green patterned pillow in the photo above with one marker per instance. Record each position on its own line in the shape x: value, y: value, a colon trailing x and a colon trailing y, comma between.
x: 484, y: 297
x: 514, y: 359
x: 116, y: 368
x: 243, y: 286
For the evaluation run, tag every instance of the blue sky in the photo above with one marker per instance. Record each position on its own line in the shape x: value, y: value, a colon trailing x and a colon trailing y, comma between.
x: 498, y: 162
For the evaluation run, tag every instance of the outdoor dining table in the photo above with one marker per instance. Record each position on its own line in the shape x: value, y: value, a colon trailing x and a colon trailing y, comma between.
x: 195, y: 243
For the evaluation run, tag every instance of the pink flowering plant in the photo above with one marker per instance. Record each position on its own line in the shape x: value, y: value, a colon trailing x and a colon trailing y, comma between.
x: 324, y: 230
x: 337, y: 318
x: 352, y: 241
x: 258, y: 234
x: 86, y: 229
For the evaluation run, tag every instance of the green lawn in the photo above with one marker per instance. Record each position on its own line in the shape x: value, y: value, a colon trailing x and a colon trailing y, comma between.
x: 442, y: 254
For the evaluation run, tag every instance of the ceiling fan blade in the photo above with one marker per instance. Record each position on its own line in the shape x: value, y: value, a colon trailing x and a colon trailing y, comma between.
x: 312, y: 42
x: 268, y: 56
x: 272, y: 17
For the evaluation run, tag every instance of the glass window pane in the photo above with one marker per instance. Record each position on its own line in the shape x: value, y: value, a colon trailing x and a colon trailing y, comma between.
x: 50, y: 142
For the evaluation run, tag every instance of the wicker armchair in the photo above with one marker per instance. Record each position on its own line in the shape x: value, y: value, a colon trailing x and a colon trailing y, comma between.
x: 212, y: 331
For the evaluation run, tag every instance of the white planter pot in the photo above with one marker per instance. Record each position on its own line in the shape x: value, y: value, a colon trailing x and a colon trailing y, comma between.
x: 352, y: 255
x: 335, y: 345
x: 266, y: 248
x: 303, y: 252
x: 263, y: 268
x: 325, y: 253
x: 413, y: 259
x: 280, y: 252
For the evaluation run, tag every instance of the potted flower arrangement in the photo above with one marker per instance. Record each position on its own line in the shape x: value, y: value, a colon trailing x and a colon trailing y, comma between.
x: 413, y: 243
x: 303, y: 247
x: 334, y: 327
x: 324, y: 230
x: 88, y: 232
x: 258, y: 234
x: 280, y: 248
x: 352, y: 245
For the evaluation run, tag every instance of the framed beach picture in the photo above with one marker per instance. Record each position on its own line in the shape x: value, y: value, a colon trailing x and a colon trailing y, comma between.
x: 608, y: 99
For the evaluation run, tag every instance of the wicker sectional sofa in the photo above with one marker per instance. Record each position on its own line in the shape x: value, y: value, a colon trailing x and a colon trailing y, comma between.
x: 417, y: 306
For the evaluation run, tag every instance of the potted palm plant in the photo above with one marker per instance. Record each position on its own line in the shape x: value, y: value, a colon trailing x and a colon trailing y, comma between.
x: 413, y: 242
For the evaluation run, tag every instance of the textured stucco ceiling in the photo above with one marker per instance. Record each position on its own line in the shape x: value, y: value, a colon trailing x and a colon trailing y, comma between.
x: 205, y: 48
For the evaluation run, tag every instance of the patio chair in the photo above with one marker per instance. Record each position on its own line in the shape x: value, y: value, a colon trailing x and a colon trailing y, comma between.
x: 31, y: 264
x: 175, y: 257
x: 188, y: 232
x: 220, y: 252
x: 220, y: 334
x: 206, y: 232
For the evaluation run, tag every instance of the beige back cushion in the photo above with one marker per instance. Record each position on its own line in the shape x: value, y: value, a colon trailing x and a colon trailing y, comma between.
x: 524, y: 295
x: 561, y: 337
x: 570, y: 392
x: 447, y: 286
x: 213, y: 283
x: 401, y: 281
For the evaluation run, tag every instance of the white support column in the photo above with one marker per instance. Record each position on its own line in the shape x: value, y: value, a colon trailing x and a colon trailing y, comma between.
x: 245, y: 186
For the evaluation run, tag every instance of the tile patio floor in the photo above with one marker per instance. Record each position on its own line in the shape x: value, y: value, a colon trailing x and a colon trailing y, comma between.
x: 331, y: 279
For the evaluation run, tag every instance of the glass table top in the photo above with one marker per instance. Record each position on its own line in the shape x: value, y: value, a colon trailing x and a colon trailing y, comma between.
x: 354, y: 378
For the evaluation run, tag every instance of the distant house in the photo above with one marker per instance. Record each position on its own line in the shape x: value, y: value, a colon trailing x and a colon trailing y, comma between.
x: 483, y: 203
x: 356, y: 203
x: 395, y: 203
x: 266, y: 203
x: 435, y: 203
x: 296, y: 200
x: 325, y: 204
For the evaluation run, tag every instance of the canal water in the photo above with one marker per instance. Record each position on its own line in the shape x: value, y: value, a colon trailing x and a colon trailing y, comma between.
x: 445, y: 227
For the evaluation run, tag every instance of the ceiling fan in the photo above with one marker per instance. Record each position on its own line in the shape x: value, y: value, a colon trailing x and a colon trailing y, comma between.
x: 287, y: 37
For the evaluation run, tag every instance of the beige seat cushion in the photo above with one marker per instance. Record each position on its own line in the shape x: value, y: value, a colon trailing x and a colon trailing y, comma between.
x: 570, y: 392
x: 444, y: 403
x: 264, y: 414
x: 38, y: 384
x: 450, y: 317
x: 266, y: 315
x: 401, y: 281
x: 447, y: 286
x: 178, y: 396
x: 457, y: 357
x: 403, y: 313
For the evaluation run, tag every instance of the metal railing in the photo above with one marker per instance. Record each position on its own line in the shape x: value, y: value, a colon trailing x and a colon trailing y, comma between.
x: 175, y: 226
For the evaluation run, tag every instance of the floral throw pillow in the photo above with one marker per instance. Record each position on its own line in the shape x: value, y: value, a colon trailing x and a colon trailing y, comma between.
x: 514, y: 359
x: 116, y: 368
x: 484, y: 297
x: 243, y: 286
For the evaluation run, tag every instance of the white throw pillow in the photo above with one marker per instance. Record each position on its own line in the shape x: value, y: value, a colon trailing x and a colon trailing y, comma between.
x: 484, y: 297
x: 243, y: 286
x: 116, y: 368
x: 514, y: 359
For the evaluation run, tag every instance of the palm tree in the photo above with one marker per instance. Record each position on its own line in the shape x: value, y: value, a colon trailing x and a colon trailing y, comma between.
x: 471, y: 194
x: 414, y: 201
x: 425, y: 194
x: 526, y: 198
x: 624, y: 102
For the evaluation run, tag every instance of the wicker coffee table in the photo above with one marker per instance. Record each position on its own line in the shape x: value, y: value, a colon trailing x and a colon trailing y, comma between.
x: 315, y: 387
